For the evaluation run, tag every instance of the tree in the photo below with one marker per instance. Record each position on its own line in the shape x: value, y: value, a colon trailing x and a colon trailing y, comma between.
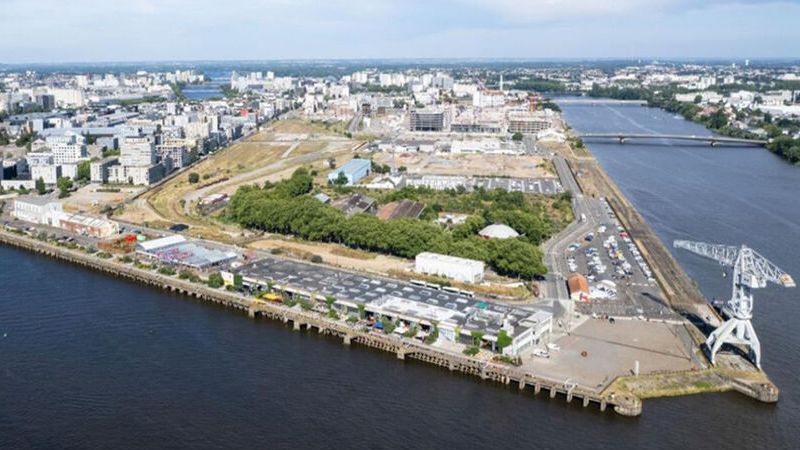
x: 476, y: 337
x: 697, y: 99
x: 64, y: 184
x: 41, y: 189
x: 84, y: 171
x: 341, y: 179
x: 215, y: 280
x: 503, y: 340
x: 516, y: 136
x: 361, y: 311
x: 194, y: 177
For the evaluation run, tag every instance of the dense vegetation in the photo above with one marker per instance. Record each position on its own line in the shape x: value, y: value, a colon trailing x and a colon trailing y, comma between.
x: 540, y: 85
x: 286, y: 208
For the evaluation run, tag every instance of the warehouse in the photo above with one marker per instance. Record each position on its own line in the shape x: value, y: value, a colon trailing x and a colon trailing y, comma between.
x: 87, y: 226
x: 176, y: 250
x: 459, y: 269
x: 354, y: 170
x: 457, y: 315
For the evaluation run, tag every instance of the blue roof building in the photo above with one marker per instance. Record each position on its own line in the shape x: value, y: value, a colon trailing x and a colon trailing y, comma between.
x: 354, y: 170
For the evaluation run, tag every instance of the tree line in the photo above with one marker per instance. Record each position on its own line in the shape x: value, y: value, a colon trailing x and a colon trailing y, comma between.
x: 286, y: 208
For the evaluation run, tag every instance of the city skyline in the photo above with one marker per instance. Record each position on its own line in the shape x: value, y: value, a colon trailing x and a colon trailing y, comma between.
x: 144, y: 30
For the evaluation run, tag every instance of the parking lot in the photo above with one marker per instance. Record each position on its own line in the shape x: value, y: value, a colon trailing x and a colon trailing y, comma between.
x: 620, y: 281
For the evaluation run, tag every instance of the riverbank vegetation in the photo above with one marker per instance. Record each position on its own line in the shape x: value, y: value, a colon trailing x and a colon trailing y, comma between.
x: 717, y: 121
x: 288, y: 208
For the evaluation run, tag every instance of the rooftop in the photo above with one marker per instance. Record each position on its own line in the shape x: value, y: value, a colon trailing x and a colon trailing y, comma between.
x: 498, y: 231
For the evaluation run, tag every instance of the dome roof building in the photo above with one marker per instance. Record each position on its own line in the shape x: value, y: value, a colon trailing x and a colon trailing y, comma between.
x: 498, y: 231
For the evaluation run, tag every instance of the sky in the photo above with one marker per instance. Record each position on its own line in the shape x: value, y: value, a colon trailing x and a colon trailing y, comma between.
x: 168, y: 30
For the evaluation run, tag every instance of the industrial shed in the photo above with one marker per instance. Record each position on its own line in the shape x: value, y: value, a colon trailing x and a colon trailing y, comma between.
x: 176, y: 250
x: 460, y: 269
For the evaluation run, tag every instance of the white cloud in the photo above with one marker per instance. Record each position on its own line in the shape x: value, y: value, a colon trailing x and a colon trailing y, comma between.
x: 530, y: 11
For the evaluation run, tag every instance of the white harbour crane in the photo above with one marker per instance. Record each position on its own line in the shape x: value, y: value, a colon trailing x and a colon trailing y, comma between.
x: 750, y: 271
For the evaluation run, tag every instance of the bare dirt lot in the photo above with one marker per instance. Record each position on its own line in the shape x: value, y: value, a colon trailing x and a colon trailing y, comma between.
x: 271, y: 154
x: 525, y: 166
x: 92, y: 198
x: 336, y: 255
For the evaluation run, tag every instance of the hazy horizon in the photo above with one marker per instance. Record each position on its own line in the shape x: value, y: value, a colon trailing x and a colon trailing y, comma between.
x: 95, y: 31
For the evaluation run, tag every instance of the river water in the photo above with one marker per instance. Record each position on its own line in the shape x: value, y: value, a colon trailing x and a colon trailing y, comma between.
x: 89, y: 361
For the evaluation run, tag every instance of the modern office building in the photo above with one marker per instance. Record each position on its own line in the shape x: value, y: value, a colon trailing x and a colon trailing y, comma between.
x: 429, y: 120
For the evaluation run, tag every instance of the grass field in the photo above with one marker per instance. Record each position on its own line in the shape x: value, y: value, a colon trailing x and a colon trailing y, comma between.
x: 304, y: 126
x: 253, y: 160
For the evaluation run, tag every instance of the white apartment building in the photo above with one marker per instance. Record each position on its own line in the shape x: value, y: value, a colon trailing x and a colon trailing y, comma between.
x: 136, y: 175
x: 176, y: 152
x: 69, y: 148
x: 488, y: 99
x: 197, y: 130
x: 42, y: 165
x: 137, y: 152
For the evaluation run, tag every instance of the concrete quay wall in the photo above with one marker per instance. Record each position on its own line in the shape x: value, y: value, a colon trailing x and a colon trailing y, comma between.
x: 403, y: 348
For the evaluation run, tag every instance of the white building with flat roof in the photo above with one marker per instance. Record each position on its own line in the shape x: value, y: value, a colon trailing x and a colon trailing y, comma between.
x: 38, y: 210
x: 460, y: 269
x: 137, y: 152
x: 69, y: 148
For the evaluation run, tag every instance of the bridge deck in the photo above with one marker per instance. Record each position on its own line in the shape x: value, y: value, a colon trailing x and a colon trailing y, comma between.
x: 684, y: 137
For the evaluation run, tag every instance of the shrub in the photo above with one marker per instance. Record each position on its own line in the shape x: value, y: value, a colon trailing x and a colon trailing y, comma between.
x: 471, y: 351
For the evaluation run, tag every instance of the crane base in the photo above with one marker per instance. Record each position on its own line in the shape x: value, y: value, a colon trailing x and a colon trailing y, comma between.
x: 735, y: 332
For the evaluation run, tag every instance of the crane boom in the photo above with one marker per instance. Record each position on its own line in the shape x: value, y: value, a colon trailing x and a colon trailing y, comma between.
x: 753, y: 263
x: 724, y: 254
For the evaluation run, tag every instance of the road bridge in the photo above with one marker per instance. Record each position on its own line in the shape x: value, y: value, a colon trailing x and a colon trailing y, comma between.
x: 711, y: 140
x: 599, y: 102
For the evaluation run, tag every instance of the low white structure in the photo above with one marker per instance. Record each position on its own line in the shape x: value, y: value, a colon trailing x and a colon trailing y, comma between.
x: 38, y: 210
x: 46, y: 211
x: 498, y: 231
x: 460, y: 269
x: 155, y: 244
x: 529, y: 332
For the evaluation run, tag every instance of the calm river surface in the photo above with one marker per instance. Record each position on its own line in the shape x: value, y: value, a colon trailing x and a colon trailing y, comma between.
x: 89, y: 361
